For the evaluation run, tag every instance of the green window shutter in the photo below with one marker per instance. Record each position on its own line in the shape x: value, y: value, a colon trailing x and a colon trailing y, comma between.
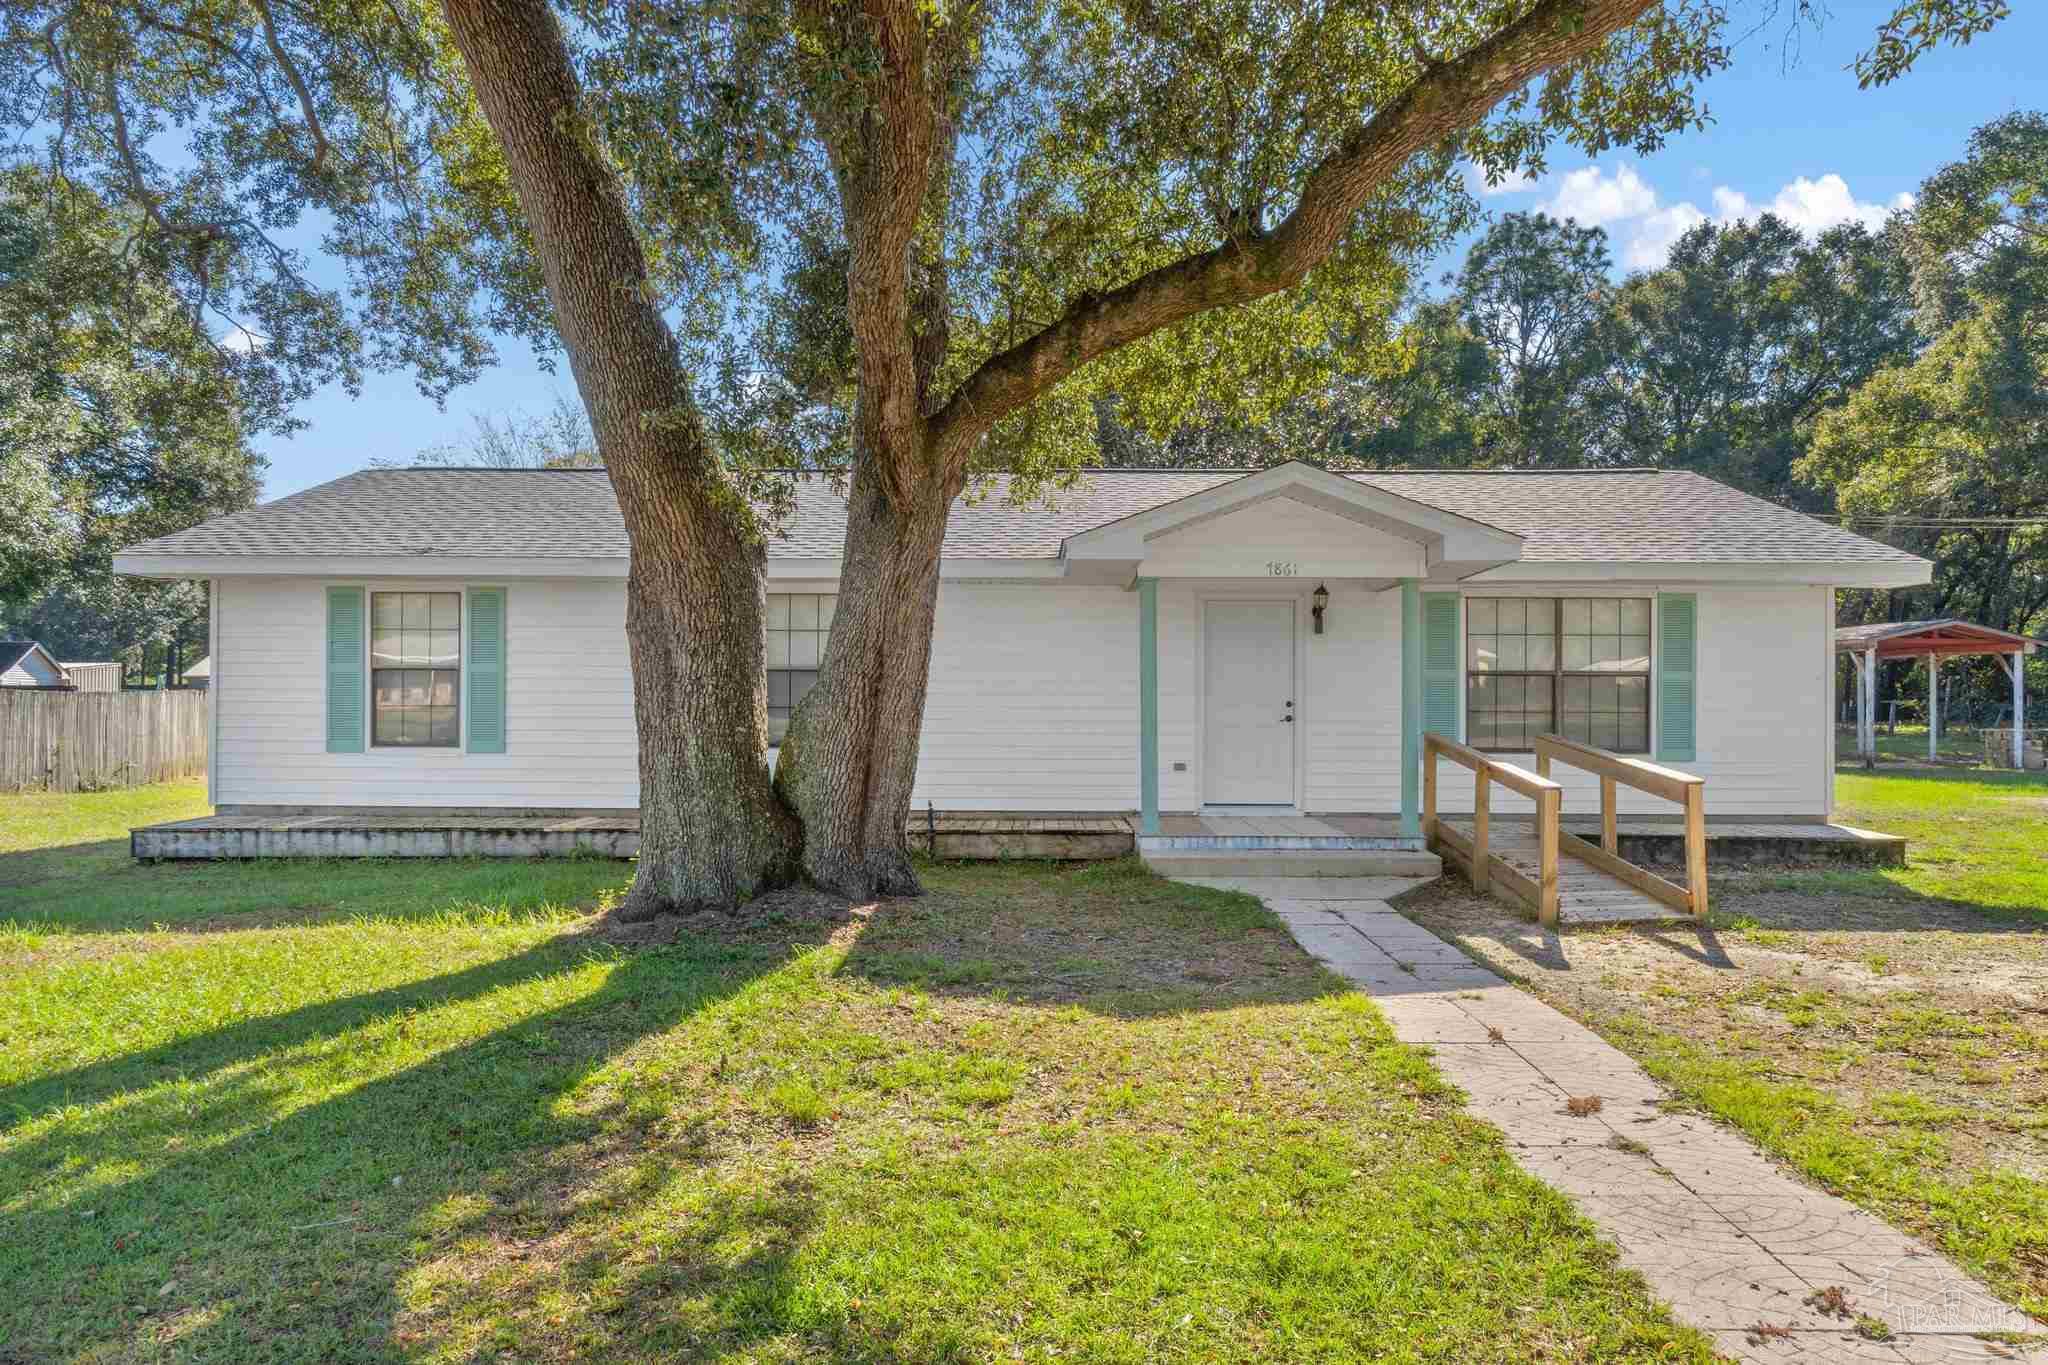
x: 1441, y: 702
x: 484, y: 670
x: 345, y: 670
x: 1677, y: 674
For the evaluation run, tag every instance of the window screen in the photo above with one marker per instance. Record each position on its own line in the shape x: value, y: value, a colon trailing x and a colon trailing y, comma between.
x: 797, y: 626
x: 415, y: 669
x: 1574, y: 666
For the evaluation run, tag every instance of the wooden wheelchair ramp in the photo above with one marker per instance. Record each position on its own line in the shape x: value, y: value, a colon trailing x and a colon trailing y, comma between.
x: 1585, y: 894
x: 1560, y: 877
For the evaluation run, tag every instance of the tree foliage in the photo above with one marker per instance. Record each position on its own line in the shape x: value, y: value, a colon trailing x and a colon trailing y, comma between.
x: 1951, y: 446
x: 1720, y: 360
x: 1745, y: 337
x: 559, y: 438
x: 119, y: 420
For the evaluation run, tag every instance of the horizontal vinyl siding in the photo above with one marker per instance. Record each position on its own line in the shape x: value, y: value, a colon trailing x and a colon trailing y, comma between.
x: 1033, y: 700
x: 568, y: 703
x: 1032, y: 704
x: 1354, y: 704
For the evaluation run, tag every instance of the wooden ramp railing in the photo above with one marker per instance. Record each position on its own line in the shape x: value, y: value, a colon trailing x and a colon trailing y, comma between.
x: 1481, y: 864
x: 1537, y: 887
x: 1688, y: 790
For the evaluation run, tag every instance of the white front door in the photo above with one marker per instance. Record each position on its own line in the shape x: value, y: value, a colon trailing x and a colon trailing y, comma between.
x: 1249, y: 703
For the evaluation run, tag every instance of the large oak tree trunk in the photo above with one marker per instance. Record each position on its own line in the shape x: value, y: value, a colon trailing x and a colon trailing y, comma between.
x: 712, y: 831
x: 851, y: 752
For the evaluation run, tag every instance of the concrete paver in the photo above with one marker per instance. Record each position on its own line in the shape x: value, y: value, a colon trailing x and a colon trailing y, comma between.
x: 1732, y: 1242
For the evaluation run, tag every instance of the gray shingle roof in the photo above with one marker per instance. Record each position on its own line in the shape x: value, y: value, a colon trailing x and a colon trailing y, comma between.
x: 1608, y: 516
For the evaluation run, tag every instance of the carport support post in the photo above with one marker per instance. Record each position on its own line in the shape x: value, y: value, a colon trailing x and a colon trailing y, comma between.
x: 1866, y: 708
x: 1933, y: 706
x: 1148, y: 706
x: 2019, y: 710
x: 1411, y: 708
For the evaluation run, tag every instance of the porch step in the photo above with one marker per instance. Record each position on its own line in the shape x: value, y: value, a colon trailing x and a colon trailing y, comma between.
x: 1290, y: 862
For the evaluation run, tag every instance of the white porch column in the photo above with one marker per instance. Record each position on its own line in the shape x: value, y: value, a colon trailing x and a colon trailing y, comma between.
x: 1148, y: 706
x: 1934, y: 706
x: 1411, y: 708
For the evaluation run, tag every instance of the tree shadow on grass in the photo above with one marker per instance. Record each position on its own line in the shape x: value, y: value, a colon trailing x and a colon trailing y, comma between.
x: 1111, y: 938
x: 490, y: 1199
x: 1861, y: 900
x: 227, y: 896
x: 1793, y: 900
x: 195, y: 1058
x: 61, y: 862
x: 203, y: 1216
x: 1451, y: 908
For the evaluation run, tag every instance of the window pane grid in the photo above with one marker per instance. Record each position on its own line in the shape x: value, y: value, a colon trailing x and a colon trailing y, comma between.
x: 1574, y: 666
x: 798, y: 626
x: 415, y: 669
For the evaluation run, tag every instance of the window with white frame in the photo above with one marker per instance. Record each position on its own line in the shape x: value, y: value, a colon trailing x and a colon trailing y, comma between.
x: 1574, y: 666
x: 798, y: 623
x: 415, y: 669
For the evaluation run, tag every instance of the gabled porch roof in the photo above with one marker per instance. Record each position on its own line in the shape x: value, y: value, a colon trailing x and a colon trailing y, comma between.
x: 1918, y: 639
x: 1446, y: 546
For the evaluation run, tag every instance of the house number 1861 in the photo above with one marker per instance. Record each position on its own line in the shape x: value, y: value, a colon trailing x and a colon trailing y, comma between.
x: 1282, y: 568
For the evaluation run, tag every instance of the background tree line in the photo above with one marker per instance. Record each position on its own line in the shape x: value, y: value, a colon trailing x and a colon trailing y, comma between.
x: 1895, y: 380
x: 121, y: 418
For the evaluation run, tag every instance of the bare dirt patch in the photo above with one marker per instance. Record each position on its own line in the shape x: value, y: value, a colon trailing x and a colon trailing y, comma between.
x: 793, y: 913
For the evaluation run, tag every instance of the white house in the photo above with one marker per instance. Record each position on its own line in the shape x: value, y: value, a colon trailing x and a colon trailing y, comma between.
x: 25, y: 663
x: 1158, y: 640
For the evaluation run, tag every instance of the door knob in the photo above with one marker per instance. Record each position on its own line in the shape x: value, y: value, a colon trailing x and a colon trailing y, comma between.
x: 1289, y: 718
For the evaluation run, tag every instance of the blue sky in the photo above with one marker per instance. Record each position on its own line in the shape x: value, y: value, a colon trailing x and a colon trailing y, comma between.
x: 1790, y: 133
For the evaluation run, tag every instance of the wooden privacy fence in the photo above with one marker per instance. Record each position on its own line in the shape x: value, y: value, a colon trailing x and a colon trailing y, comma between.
x: 83, y: 741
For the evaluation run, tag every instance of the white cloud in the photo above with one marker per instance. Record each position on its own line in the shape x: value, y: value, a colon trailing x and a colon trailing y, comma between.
x: 1652, y: 236
x: 1597, y: 198
x: 1644, y: 227
x: 1810, y: 205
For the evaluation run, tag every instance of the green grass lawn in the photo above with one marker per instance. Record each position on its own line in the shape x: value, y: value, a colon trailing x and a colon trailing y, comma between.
x: 64, y: 868
x: 1975, y: 837
x: 427, y: 1111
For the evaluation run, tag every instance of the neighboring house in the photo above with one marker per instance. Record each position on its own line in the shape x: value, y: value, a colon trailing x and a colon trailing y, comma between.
x: 455, y: 638
x: 95, y: 676
x: 200, y: 674
x: 24, y: 663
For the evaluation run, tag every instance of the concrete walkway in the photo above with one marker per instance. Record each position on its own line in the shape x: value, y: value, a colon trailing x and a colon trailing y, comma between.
x: 1732, y: 1242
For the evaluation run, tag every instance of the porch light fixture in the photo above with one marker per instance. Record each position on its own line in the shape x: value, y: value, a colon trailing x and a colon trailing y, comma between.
x: 1319, y: 599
